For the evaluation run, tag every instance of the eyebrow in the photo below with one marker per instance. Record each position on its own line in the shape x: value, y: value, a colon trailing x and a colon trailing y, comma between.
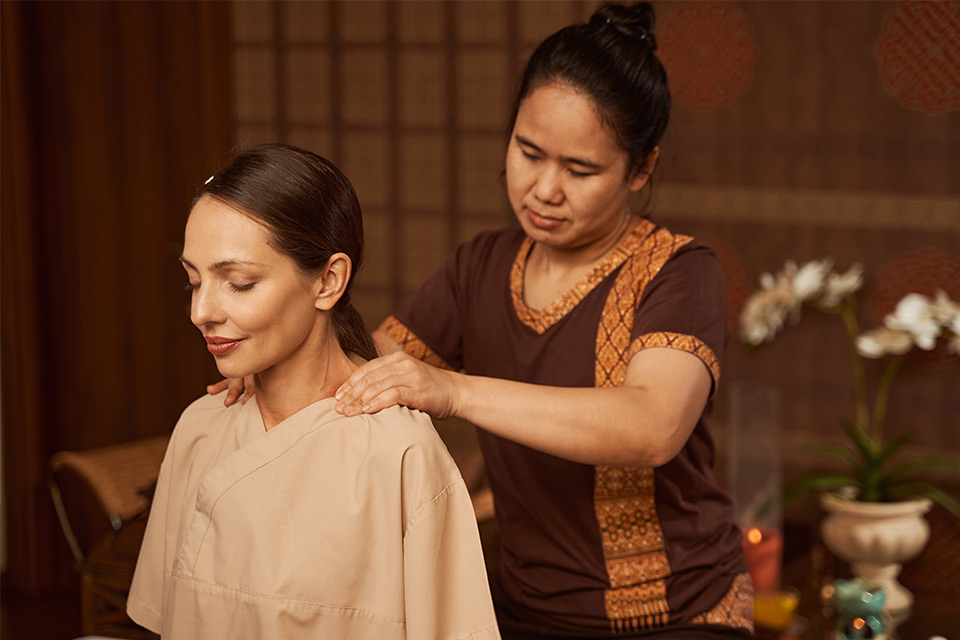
x: 216, y: 266
x: 580, y: 161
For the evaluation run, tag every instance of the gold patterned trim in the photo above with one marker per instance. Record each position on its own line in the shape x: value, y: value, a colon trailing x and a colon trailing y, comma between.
x: 735, y: 609
x: 412, y: 344
x: 633, y: 546
x: 541, y: 320
x: 681, y: 341
x: 616, y: 323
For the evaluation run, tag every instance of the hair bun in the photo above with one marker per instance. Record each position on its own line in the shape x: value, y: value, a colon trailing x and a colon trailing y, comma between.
x: 634, y: 21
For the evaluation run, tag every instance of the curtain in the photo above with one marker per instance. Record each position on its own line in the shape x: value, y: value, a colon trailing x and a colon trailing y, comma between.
x: 112, y: 114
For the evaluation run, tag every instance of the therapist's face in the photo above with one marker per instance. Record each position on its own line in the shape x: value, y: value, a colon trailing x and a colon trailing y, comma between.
x: 567, y: 178
x: 255, y: 308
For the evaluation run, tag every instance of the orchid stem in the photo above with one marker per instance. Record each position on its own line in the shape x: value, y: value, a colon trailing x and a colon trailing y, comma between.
x: 883, y: 395
x: 849, y: 314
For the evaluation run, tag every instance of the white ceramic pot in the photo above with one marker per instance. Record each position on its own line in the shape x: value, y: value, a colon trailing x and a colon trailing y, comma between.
x: 876, y: 538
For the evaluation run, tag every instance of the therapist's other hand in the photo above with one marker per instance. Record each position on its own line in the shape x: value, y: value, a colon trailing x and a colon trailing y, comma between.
x: 237, y: 389
x: 399, y: 379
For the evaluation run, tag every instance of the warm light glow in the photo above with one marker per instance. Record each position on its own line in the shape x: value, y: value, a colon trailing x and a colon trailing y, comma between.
x: 859, y: 624
x: 754, y: 535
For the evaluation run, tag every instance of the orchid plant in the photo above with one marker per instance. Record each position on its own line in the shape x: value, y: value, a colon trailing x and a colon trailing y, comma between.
x: 917, y: 321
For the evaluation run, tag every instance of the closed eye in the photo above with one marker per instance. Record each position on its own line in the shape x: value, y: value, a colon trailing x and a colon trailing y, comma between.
x: 239, y: 288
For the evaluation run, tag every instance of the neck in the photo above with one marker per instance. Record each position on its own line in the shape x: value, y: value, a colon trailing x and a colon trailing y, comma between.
x: 581, y: 258
x: 311, y: 375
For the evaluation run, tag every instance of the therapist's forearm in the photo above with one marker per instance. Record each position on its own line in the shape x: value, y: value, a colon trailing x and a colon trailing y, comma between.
x: 614, y: 426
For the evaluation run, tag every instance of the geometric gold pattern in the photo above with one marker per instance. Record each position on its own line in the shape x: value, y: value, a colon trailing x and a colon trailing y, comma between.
x: 681, y: 341
x: 411, y: 344
x: 541, y: 320
x: 735, y: 609
x: 624, y: 504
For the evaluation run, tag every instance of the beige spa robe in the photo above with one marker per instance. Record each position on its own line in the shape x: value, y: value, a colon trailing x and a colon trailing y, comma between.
x: 322, y: 527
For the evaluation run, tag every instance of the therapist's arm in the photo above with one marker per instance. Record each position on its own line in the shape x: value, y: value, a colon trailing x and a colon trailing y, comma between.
x: 644, y: 423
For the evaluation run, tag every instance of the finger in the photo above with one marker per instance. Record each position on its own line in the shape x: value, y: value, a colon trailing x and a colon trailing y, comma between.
x: 388, y: 398
x: 371, y: 395
x: 234, y: 392
x: 217, y: 387
x: 358, y: 377
x: 250, y: 388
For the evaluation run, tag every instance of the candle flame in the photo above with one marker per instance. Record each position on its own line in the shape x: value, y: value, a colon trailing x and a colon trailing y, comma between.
x: 754, y: 535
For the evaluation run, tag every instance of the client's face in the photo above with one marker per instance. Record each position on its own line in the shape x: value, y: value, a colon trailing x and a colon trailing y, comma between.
x: 253, y: 306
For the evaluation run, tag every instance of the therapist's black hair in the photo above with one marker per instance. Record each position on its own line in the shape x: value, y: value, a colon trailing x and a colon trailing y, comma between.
x: 312, y: 211
x: 611, y: 59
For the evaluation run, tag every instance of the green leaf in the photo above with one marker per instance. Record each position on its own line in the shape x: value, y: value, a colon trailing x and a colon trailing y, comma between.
x: 926, y: 463
x: 795, y: 490
x: 861, y: 439
x: 925, y: 489
x: 887, y: 452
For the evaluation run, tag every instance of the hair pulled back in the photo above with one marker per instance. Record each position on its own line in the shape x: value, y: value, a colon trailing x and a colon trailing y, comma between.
x: 312, y: 211
x: 611, y: 59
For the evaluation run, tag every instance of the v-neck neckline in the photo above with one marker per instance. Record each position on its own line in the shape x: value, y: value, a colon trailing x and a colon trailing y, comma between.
x: 542, y: 319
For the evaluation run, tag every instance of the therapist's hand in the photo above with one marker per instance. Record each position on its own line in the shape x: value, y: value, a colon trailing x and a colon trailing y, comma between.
x: 236, y: 387
x: 399, y: 379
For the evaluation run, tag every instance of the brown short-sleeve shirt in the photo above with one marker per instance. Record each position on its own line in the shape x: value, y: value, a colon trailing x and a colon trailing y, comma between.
x: 594, y: 549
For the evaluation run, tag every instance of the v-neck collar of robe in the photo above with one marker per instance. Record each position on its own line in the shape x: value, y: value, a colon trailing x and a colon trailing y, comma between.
x: 256, y: 447
x: 542, y: 319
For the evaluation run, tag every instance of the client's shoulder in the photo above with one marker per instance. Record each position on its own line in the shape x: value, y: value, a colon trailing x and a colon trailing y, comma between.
x: 410, y: 433
x: 402, y: 425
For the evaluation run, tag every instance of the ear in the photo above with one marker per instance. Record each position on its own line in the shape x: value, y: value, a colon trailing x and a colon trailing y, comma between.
x: 641, y: 174
x: 332, y: 281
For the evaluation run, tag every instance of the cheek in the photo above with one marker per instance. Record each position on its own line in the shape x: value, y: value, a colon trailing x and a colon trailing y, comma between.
x: 518, y: 178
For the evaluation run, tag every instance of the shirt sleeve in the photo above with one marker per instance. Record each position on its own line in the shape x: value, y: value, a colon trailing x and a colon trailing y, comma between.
x: 684, y: 307
x: 446, y: 593
x: 430, y: 327
x: 145, y: 601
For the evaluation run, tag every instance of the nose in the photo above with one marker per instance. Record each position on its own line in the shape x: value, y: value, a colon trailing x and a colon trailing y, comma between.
x: 548, y: 188
x: 205, y: 307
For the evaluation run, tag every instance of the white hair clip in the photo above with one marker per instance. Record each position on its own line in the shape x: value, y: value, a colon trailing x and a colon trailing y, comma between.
x: 207, y: 181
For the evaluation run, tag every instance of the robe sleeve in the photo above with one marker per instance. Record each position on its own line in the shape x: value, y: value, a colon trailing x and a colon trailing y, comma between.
x: 145, y: 602
x: 446, y: 594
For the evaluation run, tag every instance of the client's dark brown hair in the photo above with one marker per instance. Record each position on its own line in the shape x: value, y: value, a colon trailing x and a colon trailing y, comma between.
x: 312, y: 211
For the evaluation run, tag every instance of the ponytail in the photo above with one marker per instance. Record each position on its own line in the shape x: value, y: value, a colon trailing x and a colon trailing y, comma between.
x: 352, y: 335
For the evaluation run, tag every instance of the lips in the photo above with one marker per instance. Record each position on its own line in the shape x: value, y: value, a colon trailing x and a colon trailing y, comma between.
x: 221, y: 346
x: 543, y: 222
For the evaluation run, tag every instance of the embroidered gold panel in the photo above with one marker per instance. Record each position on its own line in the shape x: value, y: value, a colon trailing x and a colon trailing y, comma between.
x: 412, y: 344
x: 735, y: 609
x: 631, y: 536
x: 541, y: 320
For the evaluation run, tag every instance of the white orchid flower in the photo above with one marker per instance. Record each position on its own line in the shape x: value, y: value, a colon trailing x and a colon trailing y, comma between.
x: 881, y: 342
x: 839, y: 286
x: 762, y: 317
x: 915, y: 314
x: 811, y: 278
x: 946, y: 311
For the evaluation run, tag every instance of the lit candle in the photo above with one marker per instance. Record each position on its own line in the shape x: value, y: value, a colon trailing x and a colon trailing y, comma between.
x: 763, y: 549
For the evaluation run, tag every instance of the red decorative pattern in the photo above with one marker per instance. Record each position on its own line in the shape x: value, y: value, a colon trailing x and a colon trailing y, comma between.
x: 919, y: 55
x: 709, y: 52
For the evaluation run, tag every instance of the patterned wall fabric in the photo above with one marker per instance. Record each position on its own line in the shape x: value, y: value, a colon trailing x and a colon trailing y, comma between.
x: 799, y: 129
